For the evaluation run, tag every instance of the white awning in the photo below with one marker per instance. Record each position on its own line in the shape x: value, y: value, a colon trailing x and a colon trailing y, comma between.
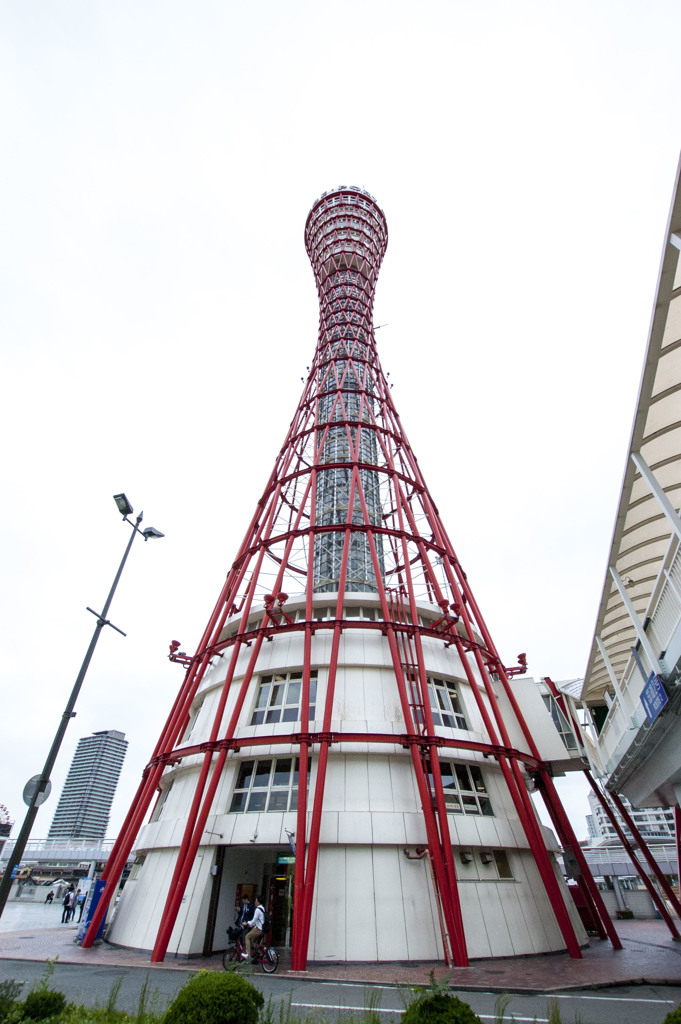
x: 643, y: 533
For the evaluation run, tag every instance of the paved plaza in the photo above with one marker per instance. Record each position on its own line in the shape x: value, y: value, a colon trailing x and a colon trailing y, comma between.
x: 650, y: 956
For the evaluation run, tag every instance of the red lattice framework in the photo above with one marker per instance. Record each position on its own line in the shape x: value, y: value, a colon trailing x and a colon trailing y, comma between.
x: 346, y: 509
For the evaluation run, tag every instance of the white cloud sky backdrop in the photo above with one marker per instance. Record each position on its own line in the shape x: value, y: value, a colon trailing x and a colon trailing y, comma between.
x: 158, y: 308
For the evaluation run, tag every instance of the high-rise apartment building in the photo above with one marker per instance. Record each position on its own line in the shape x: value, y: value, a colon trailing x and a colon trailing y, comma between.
x: 85, y: 803
x: 656, y: 824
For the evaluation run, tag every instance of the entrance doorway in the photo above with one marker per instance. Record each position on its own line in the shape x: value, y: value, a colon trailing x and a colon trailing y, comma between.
x: 278, y: 886
x: 266, y: 872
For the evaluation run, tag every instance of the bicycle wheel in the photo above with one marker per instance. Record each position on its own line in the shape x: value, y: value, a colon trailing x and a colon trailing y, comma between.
x: 230, y: 957
x: 270, y: 960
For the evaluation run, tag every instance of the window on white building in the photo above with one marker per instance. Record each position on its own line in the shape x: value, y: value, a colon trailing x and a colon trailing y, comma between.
x: 279, y: 697
x: 269, y: 784
x: 445, y: 704
x: 160, y: 804
x: 560, y: 721
x: 502, y: 864
x: 464, y: 789
x: 137, y: 866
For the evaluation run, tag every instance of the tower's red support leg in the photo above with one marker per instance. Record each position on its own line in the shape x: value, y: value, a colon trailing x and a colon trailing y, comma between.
x: 199, y: 811
x: 143, y: 798
x: 117, y: 860
x: 446, y: 875
x: 457, y: 936
x: 181, y: 878
x: 677, y: 828
x: 311, y: 859
x: 650, y: 860
x: 654, y: 895
x: 298, y: 947
x: 299, y: 957
x: 567, y: 837
x: 543, y: 861
x: 322, y: 762
x: 521, y: 800
x: 435, y: 840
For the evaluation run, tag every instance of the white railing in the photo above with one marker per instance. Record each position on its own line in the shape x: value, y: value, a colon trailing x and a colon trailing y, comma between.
x: 664, y: 854
x: 666, y: 613
x: 61, y: 849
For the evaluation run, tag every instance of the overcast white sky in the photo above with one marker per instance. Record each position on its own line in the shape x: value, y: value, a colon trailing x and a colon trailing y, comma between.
x: 158, y: 309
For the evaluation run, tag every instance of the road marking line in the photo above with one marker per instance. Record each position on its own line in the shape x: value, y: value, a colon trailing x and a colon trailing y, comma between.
x: 516, y: 995
x: 353, y: 1009
x: 616, y: 999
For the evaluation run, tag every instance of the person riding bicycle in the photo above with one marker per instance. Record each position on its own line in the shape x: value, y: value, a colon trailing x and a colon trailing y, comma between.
x: 256, y: 923
x: 244, y: 913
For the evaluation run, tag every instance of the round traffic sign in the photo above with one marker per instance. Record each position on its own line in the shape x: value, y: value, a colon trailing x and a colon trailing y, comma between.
x: 30, y: 788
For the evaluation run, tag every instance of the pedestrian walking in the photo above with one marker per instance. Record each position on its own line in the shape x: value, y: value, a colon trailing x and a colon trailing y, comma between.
x: 66, y: 904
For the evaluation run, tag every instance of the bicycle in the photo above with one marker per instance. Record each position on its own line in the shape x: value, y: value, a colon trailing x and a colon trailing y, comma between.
x: 265, y: 955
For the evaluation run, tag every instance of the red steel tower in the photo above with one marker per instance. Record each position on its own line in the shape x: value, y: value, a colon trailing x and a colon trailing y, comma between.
x: 346, y: 704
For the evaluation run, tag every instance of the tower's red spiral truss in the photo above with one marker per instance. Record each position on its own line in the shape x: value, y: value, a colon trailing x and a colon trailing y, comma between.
x: 346, y: 510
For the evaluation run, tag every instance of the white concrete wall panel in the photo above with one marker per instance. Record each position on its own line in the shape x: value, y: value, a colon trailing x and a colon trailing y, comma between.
x: 354, y: 828
x: 535, y: 907
x: 514, y: 920
x: 187, y: 936
x: 334, y: 786
x: 420, y: 911
x: 360, y: 909
x: 357, y: 784
x: 388, y: 828
x: 329, y: 911
x: 138, y: 915
x: 477, y: 941
x: 380, y: 784
x: 389, y: 911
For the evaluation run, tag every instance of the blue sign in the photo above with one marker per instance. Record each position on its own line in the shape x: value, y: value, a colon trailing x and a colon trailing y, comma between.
x: 90, y: 912
x: 653, y: 696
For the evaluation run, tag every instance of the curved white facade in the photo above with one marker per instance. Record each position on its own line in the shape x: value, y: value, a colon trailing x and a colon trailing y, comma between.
x: 374, y: 897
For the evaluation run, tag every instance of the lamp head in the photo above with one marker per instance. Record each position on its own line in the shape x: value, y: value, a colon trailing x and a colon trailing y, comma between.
x: 150, y: 531
x: 123, y: 505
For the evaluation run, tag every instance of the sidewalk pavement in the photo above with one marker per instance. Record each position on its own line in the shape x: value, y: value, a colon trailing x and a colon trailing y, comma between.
x: 650, y: 957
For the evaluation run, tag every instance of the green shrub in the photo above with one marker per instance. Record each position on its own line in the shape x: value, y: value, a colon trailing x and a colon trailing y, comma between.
x: 673, y: 1017
x: 439, y: 1009
x: 43, y: 1003
x: 213, y: 998
x: 10, y: 991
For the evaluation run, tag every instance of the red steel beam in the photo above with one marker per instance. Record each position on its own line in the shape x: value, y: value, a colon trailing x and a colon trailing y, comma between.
x: 654, y: 895
x: 303, y: 936
x: 201, y: 805
x: 645, y: 850
x: 568, y: 838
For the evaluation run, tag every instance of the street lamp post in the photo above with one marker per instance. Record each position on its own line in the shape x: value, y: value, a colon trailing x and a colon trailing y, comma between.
x: 38, y: 790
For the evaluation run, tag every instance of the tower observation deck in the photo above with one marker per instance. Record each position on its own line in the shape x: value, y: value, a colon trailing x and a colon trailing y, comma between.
x: 347, y: 741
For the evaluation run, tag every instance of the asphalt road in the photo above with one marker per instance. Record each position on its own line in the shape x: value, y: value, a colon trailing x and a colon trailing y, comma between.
x: 640, y: 1004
